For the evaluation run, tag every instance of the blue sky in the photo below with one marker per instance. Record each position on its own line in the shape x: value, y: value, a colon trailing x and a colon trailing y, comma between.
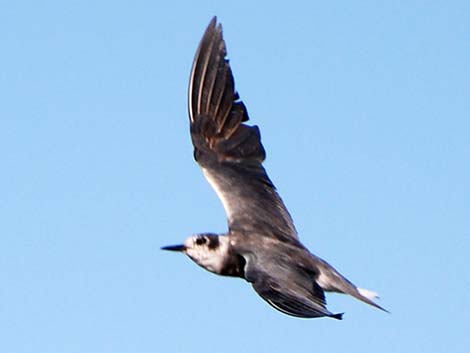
x: 364, y: 113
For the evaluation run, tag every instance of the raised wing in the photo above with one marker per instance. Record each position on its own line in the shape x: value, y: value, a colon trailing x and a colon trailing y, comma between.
x: 229, y: 151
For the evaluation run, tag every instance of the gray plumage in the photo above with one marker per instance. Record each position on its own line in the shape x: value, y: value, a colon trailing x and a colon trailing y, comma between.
x: 262, y: 244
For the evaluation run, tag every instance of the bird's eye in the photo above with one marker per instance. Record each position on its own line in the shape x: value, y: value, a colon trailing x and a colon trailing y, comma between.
x: 200, y: 241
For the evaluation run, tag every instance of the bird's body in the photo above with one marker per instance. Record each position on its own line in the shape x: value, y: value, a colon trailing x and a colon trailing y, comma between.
x: 262, y: 244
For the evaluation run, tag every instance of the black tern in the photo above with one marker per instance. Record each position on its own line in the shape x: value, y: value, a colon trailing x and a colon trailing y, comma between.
x: 262, y: 245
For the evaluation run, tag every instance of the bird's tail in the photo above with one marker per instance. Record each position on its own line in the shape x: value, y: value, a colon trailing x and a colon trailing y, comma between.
x: 367, y: 296
x: 332, y: 281
x: 368, y: 293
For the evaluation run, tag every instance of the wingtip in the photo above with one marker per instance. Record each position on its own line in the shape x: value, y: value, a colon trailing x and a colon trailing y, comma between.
x: 212, y: 33
x: 338, y: 316
x: 214, y: 25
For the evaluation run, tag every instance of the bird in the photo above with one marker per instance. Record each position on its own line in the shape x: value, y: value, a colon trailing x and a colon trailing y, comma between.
x: 261, y: 245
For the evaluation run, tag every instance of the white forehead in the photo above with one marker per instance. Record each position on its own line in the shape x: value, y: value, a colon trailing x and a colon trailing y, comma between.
x: 189, y: 242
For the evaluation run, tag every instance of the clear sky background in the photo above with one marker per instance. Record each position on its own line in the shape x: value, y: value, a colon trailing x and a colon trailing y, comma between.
x: 364, y: 110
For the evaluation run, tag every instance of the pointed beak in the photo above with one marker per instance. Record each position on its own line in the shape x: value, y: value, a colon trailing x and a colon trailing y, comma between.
x: 174, y: 248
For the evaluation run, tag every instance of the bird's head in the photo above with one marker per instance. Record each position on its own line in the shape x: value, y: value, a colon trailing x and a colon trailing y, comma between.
x: 207, y: 250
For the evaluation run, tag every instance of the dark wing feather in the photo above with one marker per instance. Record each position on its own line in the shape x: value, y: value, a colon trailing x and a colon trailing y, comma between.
x: 295, y: 301
x: 230, y: 152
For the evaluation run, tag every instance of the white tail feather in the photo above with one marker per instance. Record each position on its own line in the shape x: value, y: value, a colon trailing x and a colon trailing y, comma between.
x: 368, y: 293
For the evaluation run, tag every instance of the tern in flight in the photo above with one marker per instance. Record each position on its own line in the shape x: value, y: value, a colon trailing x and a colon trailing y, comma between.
x: 261, y: 245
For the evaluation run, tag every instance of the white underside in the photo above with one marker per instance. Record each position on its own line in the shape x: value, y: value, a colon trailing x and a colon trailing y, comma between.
x: 327, y: 282
x: 368, y: 293
x: 219, y: 192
